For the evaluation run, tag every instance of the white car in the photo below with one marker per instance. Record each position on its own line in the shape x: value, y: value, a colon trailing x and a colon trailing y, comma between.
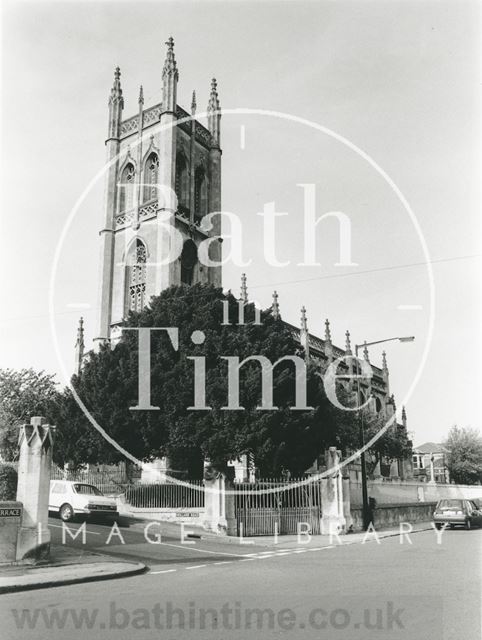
x: 68, y: 499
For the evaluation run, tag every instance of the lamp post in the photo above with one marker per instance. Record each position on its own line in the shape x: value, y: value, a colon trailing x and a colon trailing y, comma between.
x: 361, y: 432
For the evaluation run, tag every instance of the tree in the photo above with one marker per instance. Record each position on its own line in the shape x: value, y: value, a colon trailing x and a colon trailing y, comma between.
x: 282, y: 438
x: 23, y: 394
x: 464, y: 455
x: 392, y: 444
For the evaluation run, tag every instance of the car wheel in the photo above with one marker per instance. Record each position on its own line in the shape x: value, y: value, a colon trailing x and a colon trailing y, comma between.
x: 66, y: 512
x: 468, y: 525
x: 438, y: 525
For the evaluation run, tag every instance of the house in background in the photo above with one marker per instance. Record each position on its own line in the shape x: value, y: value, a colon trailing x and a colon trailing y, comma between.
x: 429, y: 463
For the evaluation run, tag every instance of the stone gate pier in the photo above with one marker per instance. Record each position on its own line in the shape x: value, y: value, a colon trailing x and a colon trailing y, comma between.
x: 35, y: 442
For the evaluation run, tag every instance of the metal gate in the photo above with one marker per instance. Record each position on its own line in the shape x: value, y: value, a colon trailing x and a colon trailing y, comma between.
x: 283, y: 521
x: 274, y: 506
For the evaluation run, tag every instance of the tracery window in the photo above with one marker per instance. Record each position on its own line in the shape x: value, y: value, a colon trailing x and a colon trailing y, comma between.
x: 136, y: 277
x: 182, y: 184
x: 126, y: 188
x: 151, y: 177
x: 189, y: 260
x: 200, y: 193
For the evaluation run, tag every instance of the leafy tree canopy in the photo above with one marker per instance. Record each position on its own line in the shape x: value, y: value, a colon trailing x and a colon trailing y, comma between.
x: 284, y: 438
x: 23, y: 394
x: 464, y: 455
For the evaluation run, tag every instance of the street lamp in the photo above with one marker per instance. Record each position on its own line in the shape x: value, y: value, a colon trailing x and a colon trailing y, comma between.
x: 361, y: 433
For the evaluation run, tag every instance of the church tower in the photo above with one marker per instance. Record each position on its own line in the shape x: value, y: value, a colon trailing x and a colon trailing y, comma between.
x: 163, y: 176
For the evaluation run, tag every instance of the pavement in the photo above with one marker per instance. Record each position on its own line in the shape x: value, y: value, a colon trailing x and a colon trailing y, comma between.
x: 98, y: 557
x: 66, y: 565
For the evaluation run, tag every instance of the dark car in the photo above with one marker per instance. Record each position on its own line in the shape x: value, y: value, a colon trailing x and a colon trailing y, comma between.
x: 457, y: 512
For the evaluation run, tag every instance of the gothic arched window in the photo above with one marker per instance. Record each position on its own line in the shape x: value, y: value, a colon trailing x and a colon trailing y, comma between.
x: 182, y: 184
x: 136, y: 277
x: 200, y: 193
x: 150, y: 178
x: 188, y: 261
x: 126, y: 188
x: 378, y: 405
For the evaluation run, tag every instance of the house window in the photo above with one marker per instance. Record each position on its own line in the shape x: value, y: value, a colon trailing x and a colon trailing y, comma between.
x: 136, y: 277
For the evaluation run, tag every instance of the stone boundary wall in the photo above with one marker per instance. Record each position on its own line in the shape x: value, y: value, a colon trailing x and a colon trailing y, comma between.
x: 390, y: 515
x: 412, y: 492
x: 194, y: 515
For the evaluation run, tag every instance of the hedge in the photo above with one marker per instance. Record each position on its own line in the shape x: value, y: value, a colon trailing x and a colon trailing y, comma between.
x: 8, y: 482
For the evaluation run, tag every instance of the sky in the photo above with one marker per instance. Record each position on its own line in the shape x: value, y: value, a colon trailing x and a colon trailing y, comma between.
x: 398, y: 80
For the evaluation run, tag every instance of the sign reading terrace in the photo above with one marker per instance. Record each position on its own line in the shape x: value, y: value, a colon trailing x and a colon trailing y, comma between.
x: 10, y: 512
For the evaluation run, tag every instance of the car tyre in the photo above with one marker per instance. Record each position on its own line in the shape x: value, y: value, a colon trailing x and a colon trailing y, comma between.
x: 66, y: 512
x: 468, y: 525
x: 438, y: 525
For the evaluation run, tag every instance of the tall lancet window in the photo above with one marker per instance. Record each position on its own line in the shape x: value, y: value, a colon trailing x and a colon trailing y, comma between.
x: 126, y: 188
x: 200, y: 193
x: 136, y: 277
x: 182, y: 184
x: 150, y: 178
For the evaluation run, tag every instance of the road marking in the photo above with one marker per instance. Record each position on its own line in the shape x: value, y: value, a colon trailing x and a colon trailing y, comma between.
x: 224, y: 562
x: 315, y: 549
x: 154, y: 573
x: 264, y: 557
x: 285, y: 553
x: 59, y: 526
x: 300, y: 551
x: 197, y: 566
x: 188, y: 547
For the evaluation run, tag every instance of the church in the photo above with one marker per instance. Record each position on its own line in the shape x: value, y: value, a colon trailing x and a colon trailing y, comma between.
x: 164, y: 165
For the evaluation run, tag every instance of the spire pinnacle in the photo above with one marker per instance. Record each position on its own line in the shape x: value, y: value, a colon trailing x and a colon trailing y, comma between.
x: 213, y: 104
x: 79, y: 347
x: 348, y: 343
x: 116, y: 91
x: 170, y: 67
x: 304, y: 321
x: 275, y: 306
x: 80, y: 332
x: 327, y: 331
x: 404, y: 417
x: 141, y: 95
x: 384, y: 361
x: 214, y: 115
x: 244, y: 288
x: 193, y: 103
x: 170, y: 76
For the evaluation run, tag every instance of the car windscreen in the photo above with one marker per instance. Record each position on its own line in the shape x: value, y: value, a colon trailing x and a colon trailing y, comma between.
x: 87, y: 489
x: 450, y: 504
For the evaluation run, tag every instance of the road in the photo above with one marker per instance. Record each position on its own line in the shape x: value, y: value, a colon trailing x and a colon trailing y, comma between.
x: 360, y: 592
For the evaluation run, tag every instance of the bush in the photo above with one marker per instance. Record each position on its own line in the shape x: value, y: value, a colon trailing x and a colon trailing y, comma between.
x: 8, y: 482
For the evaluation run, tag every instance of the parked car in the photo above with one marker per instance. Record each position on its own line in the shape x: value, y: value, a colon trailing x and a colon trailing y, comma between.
x: 454, y: 512
x: 69, y: 499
